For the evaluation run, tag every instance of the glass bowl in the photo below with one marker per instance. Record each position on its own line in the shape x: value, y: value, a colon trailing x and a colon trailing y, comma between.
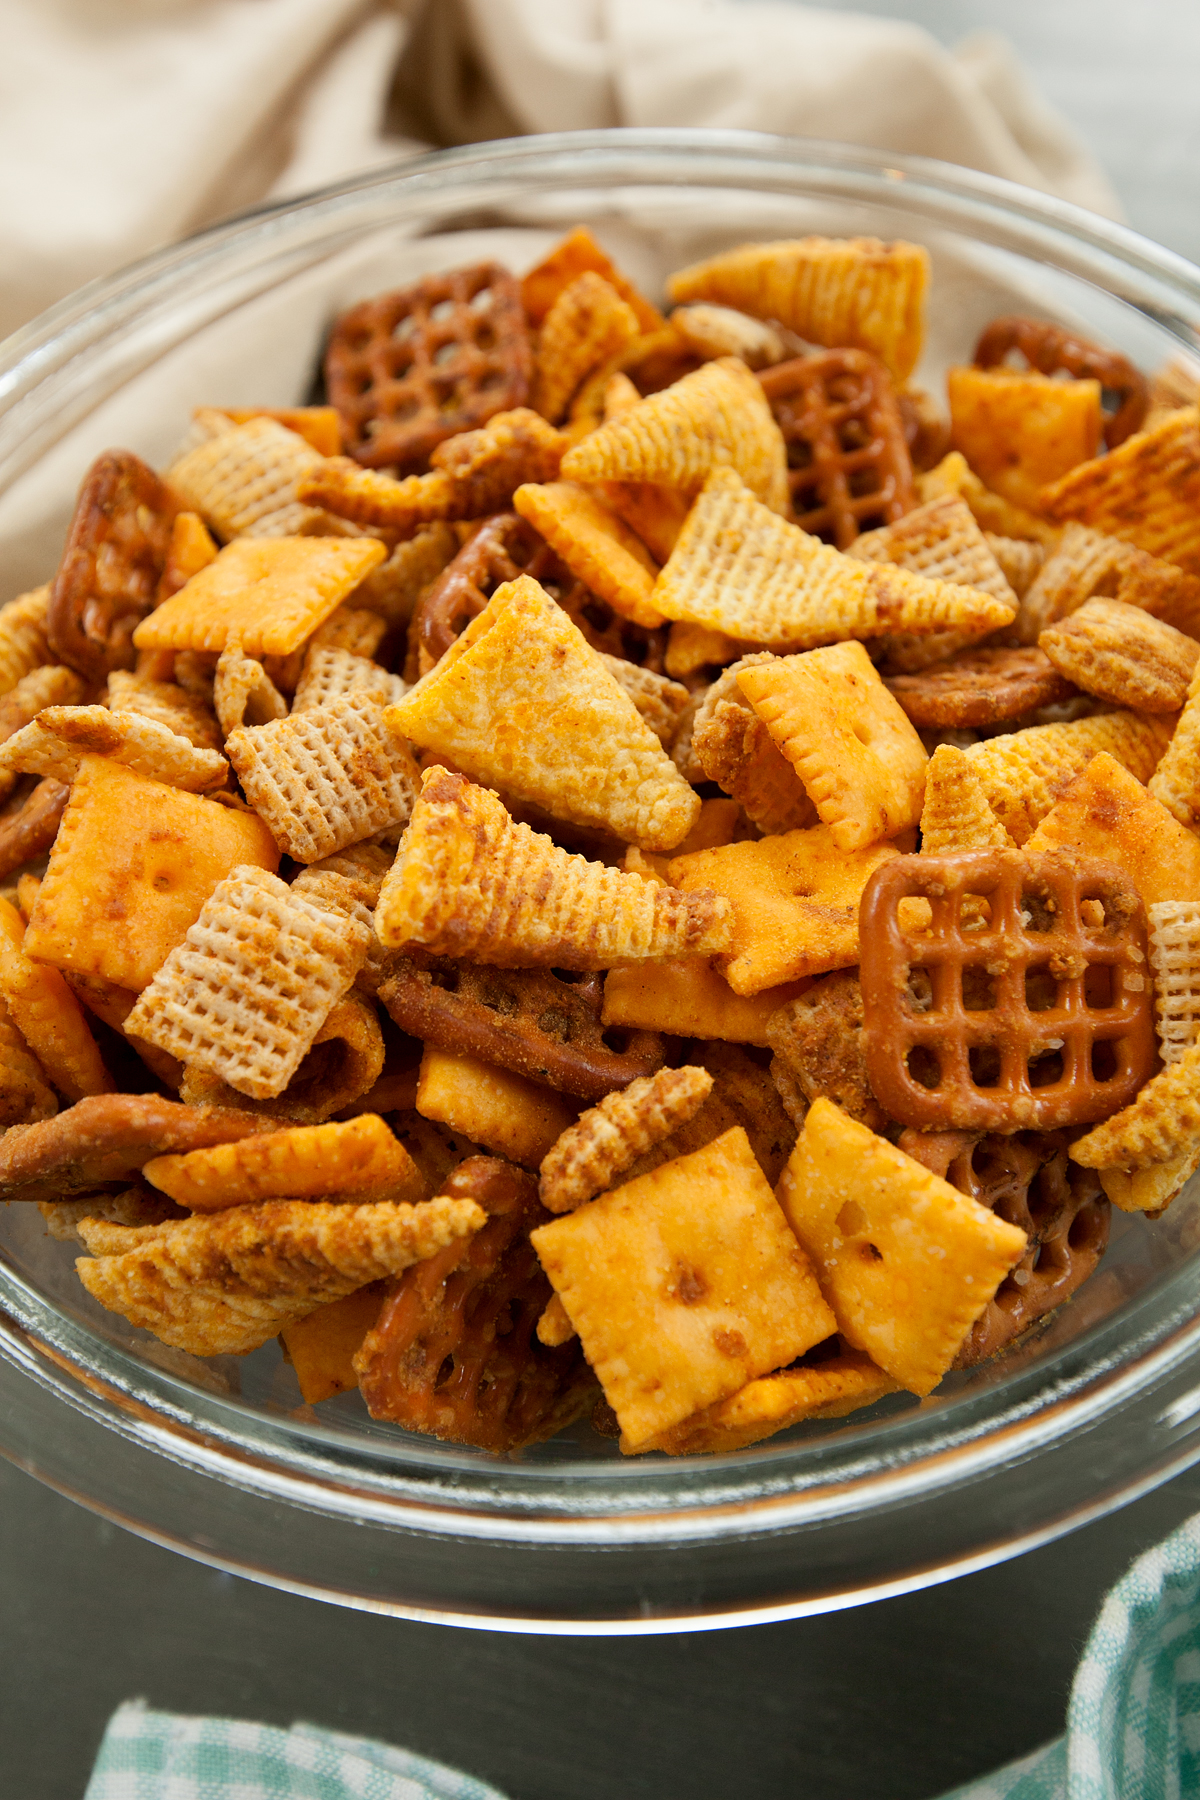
x: 220, y: 1459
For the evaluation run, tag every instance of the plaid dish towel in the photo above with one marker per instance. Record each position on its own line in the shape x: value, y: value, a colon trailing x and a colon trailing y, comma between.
x: 152, y: 1755
x: 1133, y: 1724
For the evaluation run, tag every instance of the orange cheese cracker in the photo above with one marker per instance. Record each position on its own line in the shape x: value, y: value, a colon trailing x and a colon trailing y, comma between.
x: 506, y: 1113
x: 304, y: 1161
x: 906, y: 1262
x: 133, y: 863
x: 270, y: 593
x: 794, y: 899
x: 687, y: 997
x: 683, y: 1285
x: 1107, y: 813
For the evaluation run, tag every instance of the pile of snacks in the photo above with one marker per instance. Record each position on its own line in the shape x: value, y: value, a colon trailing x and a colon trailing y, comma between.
x: 622, y: 865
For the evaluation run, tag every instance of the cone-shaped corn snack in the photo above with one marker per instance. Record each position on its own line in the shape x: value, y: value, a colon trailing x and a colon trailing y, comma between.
x: 832, y: 291
x: 522, y: 703
x: 956, y: 814
x: 716, y: 416
x: 739, y: 569
x: 468, y: 882
x: 1162, y: 1123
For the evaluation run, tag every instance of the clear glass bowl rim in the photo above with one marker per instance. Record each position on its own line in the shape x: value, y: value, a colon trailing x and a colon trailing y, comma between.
x: 1137, y: 1368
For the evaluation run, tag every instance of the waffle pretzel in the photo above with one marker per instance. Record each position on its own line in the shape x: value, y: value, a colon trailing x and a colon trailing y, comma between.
x: 408, y: 369
x: 115, y: 552
x: 504, y: 547
x: 455, y: 1350
x: 531, y: 1021
x: 1027, y: 1179
x: 1052, y: 349
x: 1033, y: 1019
x: 848, y: 461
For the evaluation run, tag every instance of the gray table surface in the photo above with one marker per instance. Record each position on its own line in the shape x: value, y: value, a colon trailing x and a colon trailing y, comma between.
x: 898, y: 1700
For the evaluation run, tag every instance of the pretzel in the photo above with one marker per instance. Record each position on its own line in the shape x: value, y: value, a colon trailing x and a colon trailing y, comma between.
x: 531, y: 1021
x: 455, y: 1350
x: 504, y: 547
x: 409, y: 369
x: 30, y: 826
x: 979, y: 688
x: 1034, y: 1019
x: 1027, y: 1179
x: 100, y: 1141
x: 1051, y: 349
x: 108, y: 577
x: 848, y: 461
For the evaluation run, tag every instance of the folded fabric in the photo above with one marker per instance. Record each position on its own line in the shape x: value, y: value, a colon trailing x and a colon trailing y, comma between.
x: 149, y: 1755
x: 1133, y: 1723
x: 132, y: 125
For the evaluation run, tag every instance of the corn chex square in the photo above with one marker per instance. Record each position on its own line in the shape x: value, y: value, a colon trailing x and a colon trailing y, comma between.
x: 252, y: 983
x: 683, y: 1285
x: 1175, y: 960
x: 906, y: 1261
x: 243, y: 480
x: 271, y: 593
x: 324, y: 779
x: 330, y: 675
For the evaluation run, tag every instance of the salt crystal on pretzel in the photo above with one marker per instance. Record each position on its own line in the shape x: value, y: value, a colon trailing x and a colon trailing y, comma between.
x: 795, y: 903
x: 301, y: 1162
x: 269, y: 593
x: 716, y: 417
x: 226, y: 1282
x: 61, y: 736
x: 739, y: 569
x: 243, y: 483
x: 1107, y: 813
x: 1162, y: 1123
x: 243, y: 692
x: 598, y: 547
x: 324, y: 779
x: 523, y: 703
x: 571, y: 257
x: 252, y: 983
x: 832, y: 1387
x: 1147, y: 491
x: 861, y: 762
x: 683, y: 1285
x: 1175, y: 959
x: 47, y: 1015
x: 1087, y: 564
x: 956, y: 814
x: 1019, y: 429
x: 611, y: 1136
x: 23, y: 642
x: 829, y: 291
x: 166, y: 703
x: 25, y: 1094
x: 1123, y: 655
x: 1024, y: 772
x: 467, y: 881
x: 906, y: 1261
x: 587, y: 324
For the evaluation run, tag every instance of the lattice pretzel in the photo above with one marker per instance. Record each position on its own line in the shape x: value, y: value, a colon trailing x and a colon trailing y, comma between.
x: 848, y: 461
x: 1038, y: 1016
x: 504, y: 547
x: 409, y: 369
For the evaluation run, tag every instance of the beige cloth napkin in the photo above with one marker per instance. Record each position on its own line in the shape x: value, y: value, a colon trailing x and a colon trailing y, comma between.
x: 127, y: 123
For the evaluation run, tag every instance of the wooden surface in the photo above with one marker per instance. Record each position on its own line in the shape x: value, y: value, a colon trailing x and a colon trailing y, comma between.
x: 897, y: 1701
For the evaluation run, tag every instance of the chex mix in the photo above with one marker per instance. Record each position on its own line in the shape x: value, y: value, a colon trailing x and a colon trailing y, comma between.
x: 631, y: 865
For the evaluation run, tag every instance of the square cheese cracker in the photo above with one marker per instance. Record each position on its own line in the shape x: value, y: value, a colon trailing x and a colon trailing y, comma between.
x: 683, y: 1285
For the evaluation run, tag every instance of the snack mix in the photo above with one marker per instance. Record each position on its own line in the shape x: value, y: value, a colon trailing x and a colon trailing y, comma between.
x: 625, y: 866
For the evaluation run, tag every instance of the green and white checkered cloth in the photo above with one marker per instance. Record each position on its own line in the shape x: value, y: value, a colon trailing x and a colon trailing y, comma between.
x: 164, y: 1756
x: 1133, y: 1725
